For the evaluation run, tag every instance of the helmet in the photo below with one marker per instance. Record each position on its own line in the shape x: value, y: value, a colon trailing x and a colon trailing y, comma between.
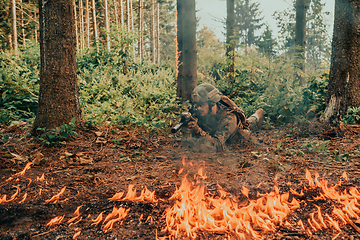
x: 205, y: 92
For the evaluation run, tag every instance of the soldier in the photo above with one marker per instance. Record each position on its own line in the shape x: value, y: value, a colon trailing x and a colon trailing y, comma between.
x: 218, y: 120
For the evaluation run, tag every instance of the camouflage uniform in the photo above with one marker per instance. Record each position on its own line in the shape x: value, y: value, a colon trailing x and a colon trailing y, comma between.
x: 217, y: 130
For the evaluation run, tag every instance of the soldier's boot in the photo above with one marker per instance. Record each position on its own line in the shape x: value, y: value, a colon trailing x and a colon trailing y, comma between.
x: 256, y: 120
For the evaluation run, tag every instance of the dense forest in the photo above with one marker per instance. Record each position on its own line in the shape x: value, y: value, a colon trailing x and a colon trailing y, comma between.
x: 90, y: 91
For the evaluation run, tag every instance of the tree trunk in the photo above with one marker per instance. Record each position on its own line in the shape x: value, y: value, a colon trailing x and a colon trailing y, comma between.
x: 59, y: 93
x: 344, y: 77
x: 22, y: 24
x: 152, y: 32
x: 96, y: 35
x: 179, y: 48
x: 131, y: 15
x: 121, y: 13
x: 76, y: 27
x: 140, y: 46
x: 300, y: 33
x: 107, y: 25
x: 87, y: 21
x: 189, y: 48
x: 230, y: 41
x: 13, y: 26
x: 157, y: 33
x: 82, y: 28
x: 128, y: 14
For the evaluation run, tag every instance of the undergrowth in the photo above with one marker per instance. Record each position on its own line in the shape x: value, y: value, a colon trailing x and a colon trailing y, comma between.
x: 116, y: 89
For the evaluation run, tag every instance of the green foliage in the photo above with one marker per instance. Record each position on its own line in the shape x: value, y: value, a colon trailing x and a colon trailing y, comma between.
x: 19, y: 84
x: 57, y: 135
x: 316, y: 146
x: 269, y: 84
x: 352, y: 115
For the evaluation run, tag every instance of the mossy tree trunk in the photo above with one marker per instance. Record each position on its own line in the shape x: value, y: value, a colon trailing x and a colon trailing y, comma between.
x: 58, y: 96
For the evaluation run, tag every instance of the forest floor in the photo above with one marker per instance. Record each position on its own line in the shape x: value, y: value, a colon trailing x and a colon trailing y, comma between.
x: 99, y: 163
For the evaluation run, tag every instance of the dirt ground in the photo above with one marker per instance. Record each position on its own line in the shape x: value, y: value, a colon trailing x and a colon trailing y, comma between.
x: 99, y: 163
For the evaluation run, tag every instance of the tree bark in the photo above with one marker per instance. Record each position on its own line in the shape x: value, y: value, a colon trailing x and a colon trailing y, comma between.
x: 152, y: 32
x: 96, y: 34
x: 140, y: 44
x: 59, y: 93
x: 189, y: 48
x: 107, y: 25
x: 157, y: 33
x: 121, y: 13
x: 87, y: 21
x: 22, y: 24
x: 230, y: 41
x: 82, y: 28
x: 76, y: 27
x: 128, y: 14
x: 300, y: 34
x: 179, y: 48
x: 131, y: 15
x: 344, y: 77
x: 13, y: 26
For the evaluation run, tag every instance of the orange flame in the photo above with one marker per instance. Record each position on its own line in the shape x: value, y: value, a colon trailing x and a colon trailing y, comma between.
x: 24, y: 198
x: 12, y: 198
x: 55, y: 221
x: 76, y: 235
x: 56, y: 197
x: 40, y: 179
x: 27, y: 167
x: 97, y: 220
x: 121, y: 213
x: 145, y: 195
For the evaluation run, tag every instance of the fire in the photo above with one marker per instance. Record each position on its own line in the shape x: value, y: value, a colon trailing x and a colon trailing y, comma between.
x: 77, y: 215
x: 116, y: 215
x: 41, y: 179
x: 76, y: 234
x: 55, y: 221
x: 56, y: 197
x: 12, y: 198
x: 97, y: 220
x: 27, y: 167
x: 145, y: 196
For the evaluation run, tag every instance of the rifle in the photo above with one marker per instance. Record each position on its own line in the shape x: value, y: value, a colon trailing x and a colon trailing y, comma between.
x: 186, y: 117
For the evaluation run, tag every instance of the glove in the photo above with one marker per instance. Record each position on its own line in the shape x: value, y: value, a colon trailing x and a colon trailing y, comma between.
x: 193, y: 127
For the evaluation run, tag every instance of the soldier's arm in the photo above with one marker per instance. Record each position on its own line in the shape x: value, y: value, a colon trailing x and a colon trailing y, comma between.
x: 228, y: 125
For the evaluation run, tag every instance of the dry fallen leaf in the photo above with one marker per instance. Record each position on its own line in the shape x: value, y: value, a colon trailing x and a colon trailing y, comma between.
x: 101, y: 140
x: 85, y: 160
x: 67, y: 154
x: 38, y: 156
x: 98, y: 134
x: 19, y: 158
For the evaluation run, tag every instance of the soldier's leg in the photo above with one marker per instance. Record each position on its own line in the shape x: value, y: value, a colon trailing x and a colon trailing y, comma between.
x: 256, y: 120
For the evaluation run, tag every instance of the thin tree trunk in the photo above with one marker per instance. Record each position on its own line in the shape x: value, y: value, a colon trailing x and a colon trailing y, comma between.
x: 59, y: 93
x: 82, y: 31
x: 140, y: 44
x: 131, y: 15
x: 22, y: 23
x: 230, y: 41
x: 107, y: 25
x: 87, y: 20
x: 189, y: 48
x: 300, y: 33
x: 121, y: 13
x: 157, y: 33
x: 179, y: 48
x: 344, y: 83
x: 36, y: 28
x: 13, y: 26
x: 96, y: 35
x: 152, y: 32
x: 128, y: 14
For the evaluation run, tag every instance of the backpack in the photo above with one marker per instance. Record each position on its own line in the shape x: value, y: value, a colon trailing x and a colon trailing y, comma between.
x: 239, y: 113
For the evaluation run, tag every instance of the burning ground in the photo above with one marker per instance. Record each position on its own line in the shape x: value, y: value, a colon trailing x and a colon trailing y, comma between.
x: 129, y: 184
